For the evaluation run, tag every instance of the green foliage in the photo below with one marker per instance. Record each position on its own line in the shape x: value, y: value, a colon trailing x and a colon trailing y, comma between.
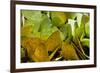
x: 54, y: 36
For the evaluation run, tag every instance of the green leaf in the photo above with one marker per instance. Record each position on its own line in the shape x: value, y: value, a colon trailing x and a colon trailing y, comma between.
x: 71, y: 15
x: 85, y: 42
x: 79, y: 18
x: 45, y: 23
x: 67, y: 31
x: 58, y: 18
x: 87, y: 29
x: 46, y: 28
x: 82, y: 28
x: 22, y: 52
x: 85, y: 19
x: 32, y: 15
x: 72, y: 23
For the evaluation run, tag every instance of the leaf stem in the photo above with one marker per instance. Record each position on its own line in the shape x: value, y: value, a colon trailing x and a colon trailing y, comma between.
x: 53, y: 53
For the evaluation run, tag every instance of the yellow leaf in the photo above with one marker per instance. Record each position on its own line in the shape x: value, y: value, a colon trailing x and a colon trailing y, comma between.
x: 68, y: 52
x: 36, y: 49
x: 58, y: 18
x: 41, y: 53
x: 53, y: 41
x: 26, y: 30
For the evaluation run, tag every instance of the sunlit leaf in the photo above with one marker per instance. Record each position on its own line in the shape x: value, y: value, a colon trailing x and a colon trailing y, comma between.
x: 72, y: 24
x: 79, y: 18
x: 85, y: 42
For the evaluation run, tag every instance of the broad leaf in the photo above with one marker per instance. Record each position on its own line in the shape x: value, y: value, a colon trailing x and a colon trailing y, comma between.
x: 58, y: 18
x: 53, y: 41
x: 68, y: 52
x: 36, y: 49
x: 67, y: 31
